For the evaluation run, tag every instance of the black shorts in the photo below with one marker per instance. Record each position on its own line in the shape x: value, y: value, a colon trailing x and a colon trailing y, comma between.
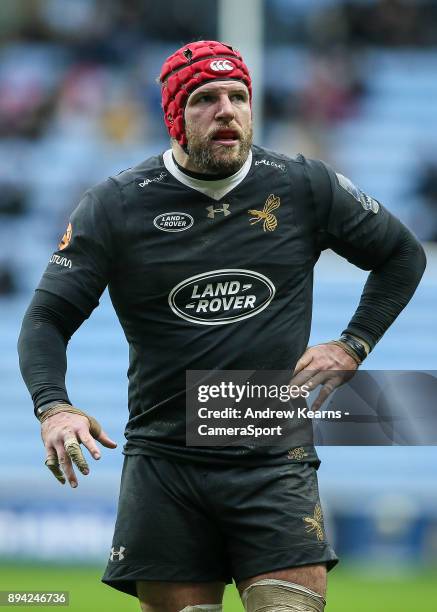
x: 186, y: 522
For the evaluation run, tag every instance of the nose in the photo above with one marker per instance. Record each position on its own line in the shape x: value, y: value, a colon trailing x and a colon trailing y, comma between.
x: 225, y: 109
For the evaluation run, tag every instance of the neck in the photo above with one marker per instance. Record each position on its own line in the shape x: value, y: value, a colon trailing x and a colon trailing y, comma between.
x: 183, y: 160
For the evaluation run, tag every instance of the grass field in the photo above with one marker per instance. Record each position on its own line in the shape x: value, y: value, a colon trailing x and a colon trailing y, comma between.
x: 349, y: 590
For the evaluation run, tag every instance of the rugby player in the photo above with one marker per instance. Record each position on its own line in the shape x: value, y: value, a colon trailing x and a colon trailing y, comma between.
x: 208, y: 252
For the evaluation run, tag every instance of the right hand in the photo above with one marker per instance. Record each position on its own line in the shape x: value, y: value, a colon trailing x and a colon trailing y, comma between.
x: 62, y: 435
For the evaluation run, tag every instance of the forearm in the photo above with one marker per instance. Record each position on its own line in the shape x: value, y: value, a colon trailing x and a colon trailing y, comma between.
x: 47, y: 327
x: 388, y: 290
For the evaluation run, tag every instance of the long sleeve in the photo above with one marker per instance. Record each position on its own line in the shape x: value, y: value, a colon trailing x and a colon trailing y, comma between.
x: 388, y: 289
x: 361, y: 229
x: 48, y: 324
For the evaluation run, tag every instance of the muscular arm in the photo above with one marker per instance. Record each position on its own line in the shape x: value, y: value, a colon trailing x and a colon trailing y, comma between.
x: 388, y: 289
x: 48, y: 325
x: 66, y: 296
x: 360, y: 229
x: 363, y: 231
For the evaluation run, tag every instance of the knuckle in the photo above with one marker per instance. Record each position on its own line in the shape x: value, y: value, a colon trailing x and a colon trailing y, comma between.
x: 71, y: 446
x: 71, y: 441
x: 74, y: 451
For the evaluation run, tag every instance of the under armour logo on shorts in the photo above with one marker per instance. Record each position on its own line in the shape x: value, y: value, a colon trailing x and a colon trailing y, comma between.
x: 117, y: 555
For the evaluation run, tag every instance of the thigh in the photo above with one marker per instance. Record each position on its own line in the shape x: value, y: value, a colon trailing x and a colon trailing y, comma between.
x: 173, y: 597
x: 163, y: 532
x: 312, y: 577
x: 273, y: 521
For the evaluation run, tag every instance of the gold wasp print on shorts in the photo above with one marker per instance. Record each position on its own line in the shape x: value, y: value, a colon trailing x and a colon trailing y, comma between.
x: 266, y: 215
x: 297, y: 453
x: 315, y: 522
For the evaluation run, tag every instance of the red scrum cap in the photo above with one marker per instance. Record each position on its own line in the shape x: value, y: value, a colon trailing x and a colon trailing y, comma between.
x: 190, y: 67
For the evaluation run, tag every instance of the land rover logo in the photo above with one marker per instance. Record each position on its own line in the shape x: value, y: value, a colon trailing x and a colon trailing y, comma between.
x: 173, y: 221
x: 221, y: 296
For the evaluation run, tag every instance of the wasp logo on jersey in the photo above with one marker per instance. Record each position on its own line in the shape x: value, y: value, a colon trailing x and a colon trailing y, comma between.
x: 270, y: 222
x: 221, y: 296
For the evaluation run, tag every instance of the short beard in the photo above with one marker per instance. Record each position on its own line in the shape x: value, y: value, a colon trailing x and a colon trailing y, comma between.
x: 203, y: 157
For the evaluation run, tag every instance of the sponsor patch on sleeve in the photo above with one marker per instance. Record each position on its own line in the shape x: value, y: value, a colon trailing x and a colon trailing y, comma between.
x: 366, y: 201
x: 66, y: 238
x: 369, y: 203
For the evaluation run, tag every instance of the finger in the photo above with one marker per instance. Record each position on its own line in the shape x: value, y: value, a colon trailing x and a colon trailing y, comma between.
x: 323, y: 377
x: 303, y: 377
x: 324, y: 393
x: 318, y: 378
x: 105, y: 440
x: 95, y: 428
x: 73, y: 450
x: 67, y: 466
x: 53, y: 464
x: 88, y: 441
x: 303, y: 362
x: 97, y: 432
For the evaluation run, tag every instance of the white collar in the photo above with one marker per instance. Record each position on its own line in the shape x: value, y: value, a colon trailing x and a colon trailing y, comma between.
x: 213, y: 189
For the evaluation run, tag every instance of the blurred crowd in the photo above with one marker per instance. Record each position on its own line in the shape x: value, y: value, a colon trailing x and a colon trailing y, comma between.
x: 355, y: 23
x: 78, y: 96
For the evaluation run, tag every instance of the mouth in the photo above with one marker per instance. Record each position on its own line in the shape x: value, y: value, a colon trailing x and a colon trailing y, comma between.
x: 226, y: 137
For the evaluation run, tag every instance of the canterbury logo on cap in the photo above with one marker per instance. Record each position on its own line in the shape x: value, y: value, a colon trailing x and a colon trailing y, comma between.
x: 221, y: 66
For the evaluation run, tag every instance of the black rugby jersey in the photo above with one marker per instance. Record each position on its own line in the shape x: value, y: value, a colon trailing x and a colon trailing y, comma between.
x: 211, y: 275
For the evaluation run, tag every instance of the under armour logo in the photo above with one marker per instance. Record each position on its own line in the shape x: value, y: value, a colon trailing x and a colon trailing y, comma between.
x: 224, y: 209
x: 221, y: 66
x: 117, y: 555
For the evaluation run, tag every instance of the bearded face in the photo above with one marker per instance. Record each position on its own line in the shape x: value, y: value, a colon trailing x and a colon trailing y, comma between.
x: 213, y: 157
x: 218, y: 126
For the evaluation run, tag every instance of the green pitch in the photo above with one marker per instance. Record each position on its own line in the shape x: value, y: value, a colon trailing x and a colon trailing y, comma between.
x: 349, y: 589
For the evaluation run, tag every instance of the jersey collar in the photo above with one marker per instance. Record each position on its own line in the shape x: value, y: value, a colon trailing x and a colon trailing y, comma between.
x: 213, y: 189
